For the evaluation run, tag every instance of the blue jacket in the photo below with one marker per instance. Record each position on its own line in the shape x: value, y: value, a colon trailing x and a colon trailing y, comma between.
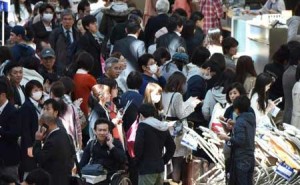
x: 21, y: 50
x: 148, y: 79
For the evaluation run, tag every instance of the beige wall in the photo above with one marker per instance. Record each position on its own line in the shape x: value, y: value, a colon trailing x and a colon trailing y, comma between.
x: 140, y: 4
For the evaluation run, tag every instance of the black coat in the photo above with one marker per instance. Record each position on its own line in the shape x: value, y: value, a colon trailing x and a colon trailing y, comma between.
x: 55, y: 156
x: 153, y: 25
x: 29, y: 125
x: 9, y: 132
x: 40, y: 33
x: 17, y: 97
x: 131, y: 48
x: 88, y: 43
x: 171, y: 41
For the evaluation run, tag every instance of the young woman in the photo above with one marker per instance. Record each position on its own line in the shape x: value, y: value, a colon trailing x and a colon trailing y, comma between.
x: 153, y: 93
x: 213, y: 41
x: 260, y: 103
x: 176, y: 109
x: 245, y: 72
x: 20, y: 13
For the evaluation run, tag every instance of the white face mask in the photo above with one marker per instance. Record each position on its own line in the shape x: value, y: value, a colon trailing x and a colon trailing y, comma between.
x: 155, y: 97
x: 47, y: 17
x: 206, y: 77
x: 153, y: 68
x: 37, y: 95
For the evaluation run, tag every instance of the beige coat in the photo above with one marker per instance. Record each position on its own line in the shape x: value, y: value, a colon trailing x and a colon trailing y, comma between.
x: 296, y: 105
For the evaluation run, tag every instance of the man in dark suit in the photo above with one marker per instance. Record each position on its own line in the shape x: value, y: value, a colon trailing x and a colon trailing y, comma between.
x: 56, y: 155
x: 172, y: 40
x: 9, y: 133
x: 91, y: 43
x: 130, y: 47
x: 156, y: 23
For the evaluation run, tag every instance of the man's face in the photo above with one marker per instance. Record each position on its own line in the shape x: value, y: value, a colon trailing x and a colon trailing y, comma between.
x: 13, y: 38
x: 93, y: 28
x: 101, y: 132
x: 115, y: 70
x: 87, y: 10
x: 16, y: 75
x: 48, y: 62
x: 48, y: 109
x: 67, y: 21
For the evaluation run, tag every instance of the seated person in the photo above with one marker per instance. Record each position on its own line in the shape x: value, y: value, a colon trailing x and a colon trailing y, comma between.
x: 105, y: 150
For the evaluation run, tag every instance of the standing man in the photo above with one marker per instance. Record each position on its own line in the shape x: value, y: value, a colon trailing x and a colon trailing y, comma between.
x: 9, y: 133
x: 56, y: 156
x: 83, y: 9
x: 63, y: 40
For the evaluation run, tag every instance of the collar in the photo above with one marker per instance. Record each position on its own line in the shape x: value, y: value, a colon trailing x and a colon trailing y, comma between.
x: 81, y: 71
x: 51, y: 133
x: 35, y: 103
x: 64, y: 29
x: 3, y: 106
x: 177, y: 33
x: 132, y: 35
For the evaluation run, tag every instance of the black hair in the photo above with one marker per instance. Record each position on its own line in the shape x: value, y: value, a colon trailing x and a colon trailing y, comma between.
x: 10, y: 65
x: 132, y: 27
x: 85, y: 61
x: 30, y: 85
x: 30, y: 62
x: 175, y: 82
x: 181, y: 12
x: 68, y: 84
x: 136, y: 12
x: 6, y: 179
x: 213, y: 65
x: 55, y: 105
x: 58, y: 90
x: 174, y: 21
x: 200, y: 55
x: 161, y: 53
x: 188, y: 30
x: 134, y: 80
x: 6, y: 87
x: 44, y: 6
x: 38, y: 177
x: 298, y: 73
x: 294, y: 48
x: 18, y: 9
x: 239, y: 87
x: 51, y: 77
x: 148, y: 110
x: 228, y: 43
x: 225, y: 80
x: 143, y: 60
x: 244, y: 67
x: 281, y: 55
x: 220, y: 59
x: 242, y: 104
x: 82, y: 4
x: 101, y: 121
x: 87, y: 20
x: 111, y: 83
x: 5, y: 54
x: 262, y: 80
x: 196, y: 16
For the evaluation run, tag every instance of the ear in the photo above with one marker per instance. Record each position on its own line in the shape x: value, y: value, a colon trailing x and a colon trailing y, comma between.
x: 144, y: 68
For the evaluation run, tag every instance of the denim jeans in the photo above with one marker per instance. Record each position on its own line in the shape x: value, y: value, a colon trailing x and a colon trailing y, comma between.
x: 243, y: 172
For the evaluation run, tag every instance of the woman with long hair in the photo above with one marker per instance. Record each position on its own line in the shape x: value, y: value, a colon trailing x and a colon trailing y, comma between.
x: 20, y: 13
x: 213, y: 41
x: 153, y: 94
x: 176, y: 109
x: 260, y: 103
x: 245, y: 72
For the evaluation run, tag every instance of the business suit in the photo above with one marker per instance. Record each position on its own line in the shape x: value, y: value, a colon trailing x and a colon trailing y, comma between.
x: 172, y: 41
x: 17, y: 96
x: 153, y: 25
x: 131, y: 48
x: 29, y: 126
x: 55, y: 156
x: 89, y: 44
x: 9, y: 133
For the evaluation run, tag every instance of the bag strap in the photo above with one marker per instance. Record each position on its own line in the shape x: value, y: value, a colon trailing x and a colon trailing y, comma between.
x: 93, y: 143
x: 166, y: 115
x: 75, y: 128
x: 74, y: 156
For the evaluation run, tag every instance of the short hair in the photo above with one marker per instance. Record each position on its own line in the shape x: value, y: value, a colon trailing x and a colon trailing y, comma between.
x: 68, y: 83
x: 162, y: 6
x: 228, y: 43
x: 48, y: 118
x: 161, y: 53
x: 148, y: 110
x: 181, y: 12
x: 143, y: 60
x: 30, y: 85
x: 110, y: 62
x: 281, y: 55
x: 30, y: 62
x: 5, y: 87
x: 101, y: 121
x: 5, y: 54
x: 174, y: 21
x: 55, y: 105
x: 87, y: 20
x: 85, y: 61
x: 220, y: 59
x: 82, y: 4
x: 67, y: 12
x: 44, y: 6
x: 196, y: 16
x: 242, y: 103
x: 175, y: 82
x: 112, y: 83
x: 38, y: 177
x: 134, y: 80
x: 213, y: 65
x: 200, y: 55
x: 239, y: 87
x: 58, y: 89
x: 10, y: 65
x: 132, y: 27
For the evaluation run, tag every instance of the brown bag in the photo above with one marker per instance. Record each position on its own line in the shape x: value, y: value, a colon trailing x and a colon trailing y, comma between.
x: 192, y: 170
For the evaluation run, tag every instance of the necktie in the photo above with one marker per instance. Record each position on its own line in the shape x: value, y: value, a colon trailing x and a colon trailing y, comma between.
x: 68, y: 37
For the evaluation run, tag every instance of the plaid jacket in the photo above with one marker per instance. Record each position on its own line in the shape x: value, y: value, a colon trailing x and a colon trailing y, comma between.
x: 213, y: 12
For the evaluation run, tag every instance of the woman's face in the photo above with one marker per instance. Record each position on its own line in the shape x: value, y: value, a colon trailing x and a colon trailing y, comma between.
x: 233, y: 94
x: 105, y: 95
x: 268, y: 87
x: 155, y: 96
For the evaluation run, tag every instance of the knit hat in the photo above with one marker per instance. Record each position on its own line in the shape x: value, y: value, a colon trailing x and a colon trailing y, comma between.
x: 183, y: 57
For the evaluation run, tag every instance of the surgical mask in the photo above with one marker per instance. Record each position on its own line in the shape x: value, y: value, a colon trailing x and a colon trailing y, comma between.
x: 206, y: 77
x: 153, y: 68
x: 155, y: 97
x: 47, y: 17
x: 37, y: 95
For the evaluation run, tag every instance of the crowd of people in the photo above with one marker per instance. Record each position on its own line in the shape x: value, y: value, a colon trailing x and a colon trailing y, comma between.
x: 117, y: 86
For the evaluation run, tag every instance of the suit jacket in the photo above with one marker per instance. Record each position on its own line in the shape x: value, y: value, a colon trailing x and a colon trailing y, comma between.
x: 40, y: 33
x: 131, y: 48
x: 17, y: 98
x: 88, y: 43
x: 29, y: 126
x: 55, y: 156
x: 171, y: 41
x: 153, y: 25
x: 9, y: 133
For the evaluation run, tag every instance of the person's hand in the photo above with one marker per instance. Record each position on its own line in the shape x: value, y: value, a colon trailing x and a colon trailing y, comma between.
x: 223, y: 136
x: 158, y: 72
x: 78, y: 102
x: 194, y: 100
x: 109, y: 141
x: 171, y: 123
x: 272, y: 11
x: 29, y: 152
x: 116, y: 121
x: 271, y: 105
x: 40, y: 134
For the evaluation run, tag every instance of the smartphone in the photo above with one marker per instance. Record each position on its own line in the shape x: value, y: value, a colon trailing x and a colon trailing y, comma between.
x: 277, y: 101
x: 44, y: 127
